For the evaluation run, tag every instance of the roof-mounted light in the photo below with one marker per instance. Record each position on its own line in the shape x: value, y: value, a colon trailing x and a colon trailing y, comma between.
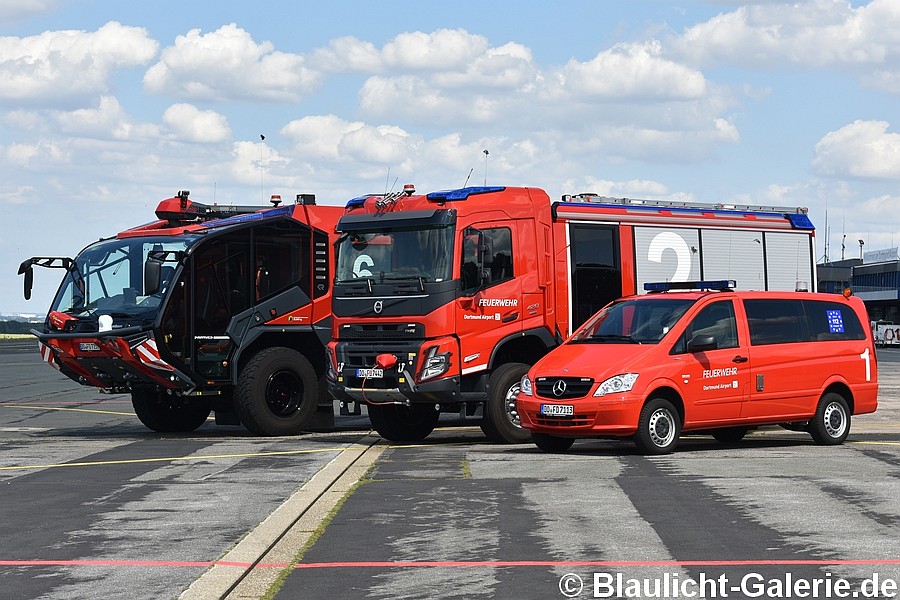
x: 462, y: 193
x: 716, y: 285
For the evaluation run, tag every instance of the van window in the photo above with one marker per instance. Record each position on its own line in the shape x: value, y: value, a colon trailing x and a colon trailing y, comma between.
x: 787, y: 321
x: 716, y: 319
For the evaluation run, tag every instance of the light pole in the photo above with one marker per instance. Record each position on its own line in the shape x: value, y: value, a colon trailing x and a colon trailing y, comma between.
x: 861, y: 244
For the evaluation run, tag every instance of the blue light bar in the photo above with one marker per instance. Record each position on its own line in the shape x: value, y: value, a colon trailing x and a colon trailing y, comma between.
x: 800, y: 221
x: 357, y: 202
x: 462, y: 193
x: 665, y: 286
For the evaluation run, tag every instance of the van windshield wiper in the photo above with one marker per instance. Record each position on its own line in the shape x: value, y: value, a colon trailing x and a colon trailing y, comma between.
x: 608, y: 337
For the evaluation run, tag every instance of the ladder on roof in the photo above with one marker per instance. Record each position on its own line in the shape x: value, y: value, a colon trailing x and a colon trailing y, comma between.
x: 597, y: 199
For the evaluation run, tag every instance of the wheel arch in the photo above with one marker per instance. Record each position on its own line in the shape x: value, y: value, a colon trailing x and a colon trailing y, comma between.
x: 302, y: 339
x: 525, y: 347
x: 841, y: 388
x: 670, y: 394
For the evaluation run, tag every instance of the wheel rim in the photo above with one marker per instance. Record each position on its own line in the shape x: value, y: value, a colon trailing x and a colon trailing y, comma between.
x: 835, y: 420
x: 284, y: 392
x: 512, y: 411
x: 661, y: 428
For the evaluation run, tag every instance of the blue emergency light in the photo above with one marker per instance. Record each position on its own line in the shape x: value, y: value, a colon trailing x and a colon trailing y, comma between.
x: 665, y: 286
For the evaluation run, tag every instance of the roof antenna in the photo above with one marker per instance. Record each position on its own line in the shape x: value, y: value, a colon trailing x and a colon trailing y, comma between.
x: 467, y: 176
x: 485, y: 166
x: 262, y: 188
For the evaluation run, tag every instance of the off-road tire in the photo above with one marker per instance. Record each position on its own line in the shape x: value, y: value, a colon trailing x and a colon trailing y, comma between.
x: 167, y: 414
x: 501, y: 423
x: 277, y: 392
x: 401, y: 424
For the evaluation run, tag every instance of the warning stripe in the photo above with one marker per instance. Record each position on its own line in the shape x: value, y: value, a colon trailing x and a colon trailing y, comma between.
x: 148, y: 354
x: 47, y: 355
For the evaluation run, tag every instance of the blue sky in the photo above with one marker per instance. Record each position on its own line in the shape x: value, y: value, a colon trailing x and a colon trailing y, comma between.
x: 108, y: 107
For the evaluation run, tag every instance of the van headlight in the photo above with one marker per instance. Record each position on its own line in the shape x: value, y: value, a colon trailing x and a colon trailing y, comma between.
x: 617, y: 384
x: 525, y: 386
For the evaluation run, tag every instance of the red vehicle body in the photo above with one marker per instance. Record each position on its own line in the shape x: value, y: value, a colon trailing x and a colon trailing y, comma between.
x: 443, y: 301
x: 208, y: 308
x: 725, y: 362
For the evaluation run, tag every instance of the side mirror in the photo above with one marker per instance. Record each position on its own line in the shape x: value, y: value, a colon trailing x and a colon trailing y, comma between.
x: 152, y: 274
x: 702, y: 343
x: 29, y: 281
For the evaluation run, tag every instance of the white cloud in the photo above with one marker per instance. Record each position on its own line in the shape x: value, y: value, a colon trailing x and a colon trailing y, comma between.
x: 13, y: 10
x: 227, y: 64
x: 814, y: 34
x: 190, y: 124
x: 443, y: 50
x: 633, y: 71
x: 55, y: 66
x: 108, y: 121
x: 860, y: 149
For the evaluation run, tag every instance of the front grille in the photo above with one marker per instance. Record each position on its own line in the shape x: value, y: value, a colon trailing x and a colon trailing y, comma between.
x: 570, y: 387
x: 382, y: 331
x: 582, y: 420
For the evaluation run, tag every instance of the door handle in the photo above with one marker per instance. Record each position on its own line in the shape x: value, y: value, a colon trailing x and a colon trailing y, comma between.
x: 510, y: 318
x: 740, y: 359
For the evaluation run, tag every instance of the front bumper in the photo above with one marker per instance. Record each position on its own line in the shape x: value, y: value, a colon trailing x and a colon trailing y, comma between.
x: 593, y: 417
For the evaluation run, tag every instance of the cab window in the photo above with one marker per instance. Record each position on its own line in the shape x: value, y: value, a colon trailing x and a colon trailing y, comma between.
x: 496, y: 258
x: 716, y: 320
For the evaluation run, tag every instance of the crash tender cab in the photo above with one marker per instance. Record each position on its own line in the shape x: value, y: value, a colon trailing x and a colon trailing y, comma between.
x: 705, y: 359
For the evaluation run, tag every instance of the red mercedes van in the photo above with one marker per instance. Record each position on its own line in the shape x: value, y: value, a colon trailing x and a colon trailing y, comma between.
x: 702, y: 357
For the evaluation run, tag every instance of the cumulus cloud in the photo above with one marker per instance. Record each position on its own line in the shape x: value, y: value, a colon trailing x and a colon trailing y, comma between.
x: 13, y: 10
x: 107, y: 121
x: 190, y: 124
x: 227, y: 64
x: 55, y: 66
x: 332, y: 138
x: 633, y: 71
x: 813, y: 34
x: 860, y: 149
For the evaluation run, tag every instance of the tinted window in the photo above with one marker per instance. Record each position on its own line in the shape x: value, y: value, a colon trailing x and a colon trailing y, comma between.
x: 496, y: 258
x: 786, y: 321
x: 717, y: 320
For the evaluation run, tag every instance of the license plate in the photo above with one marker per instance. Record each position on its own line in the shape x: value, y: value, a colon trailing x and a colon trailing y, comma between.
x: 370, y: 373
x: 558, y: 410
x: 88, y: 347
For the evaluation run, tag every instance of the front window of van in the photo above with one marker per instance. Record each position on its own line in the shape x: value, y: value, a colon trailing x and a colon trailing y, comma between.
x: 637, y: 321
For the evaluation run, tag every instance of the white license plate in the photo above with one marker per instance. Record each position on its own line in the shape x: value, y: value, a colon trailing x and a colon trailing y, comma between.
x: 558, y: 410
x: 370, y: 373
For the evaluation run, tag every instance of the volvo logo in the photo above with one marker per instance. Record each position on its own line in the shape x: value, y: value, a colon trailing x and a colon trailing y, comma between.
x: 379, y: 306
x: 559, y: 388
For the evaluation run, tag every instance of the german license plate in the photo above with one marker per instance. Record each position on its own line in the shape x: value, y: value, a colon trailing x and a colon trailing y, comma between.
x: 370, y: 373
x: 558, y: 410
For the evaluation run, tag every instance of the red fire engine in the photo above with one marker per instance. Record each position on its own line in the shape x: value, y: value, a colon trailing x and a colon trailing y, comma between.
x: 209, y: 308
x: 442, y: 301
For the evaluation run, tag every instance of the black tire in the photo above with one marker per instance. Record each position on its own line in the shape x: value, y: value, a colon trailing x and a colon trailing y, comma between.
x: 730, y: 435
x: 277, y: 392
x: 658, y: 427
x: 501, y: 423
x: 831, y: 424
x: 401, y: 424
x: 551, y: 443
x: 167, y: 414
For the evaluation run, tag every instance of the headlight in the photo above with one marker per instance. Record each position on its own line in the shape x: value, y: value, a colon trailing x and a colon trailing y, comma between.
x: 435, y: 364
x: 330, y: 373
x: 617, y: 384
x: 525, y: 386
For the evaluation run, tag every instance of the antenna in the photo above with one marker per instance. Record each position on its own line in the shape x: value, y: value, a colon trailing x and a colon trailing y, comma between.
x: 467, y: 176
x: 262, y: 139
x: 485, y: 166
x: 387, y: 178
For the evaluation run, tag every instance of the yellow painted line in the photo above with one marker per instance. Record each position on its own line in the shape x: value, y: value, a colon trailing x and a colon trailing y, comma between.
x: 876, y: 443
x: 87, y: 410
x: 171, y: 459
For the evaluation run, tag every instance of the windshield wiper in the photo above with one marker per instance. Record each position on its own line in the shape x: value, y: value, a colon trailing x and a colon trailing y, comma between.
x: 608, y: 337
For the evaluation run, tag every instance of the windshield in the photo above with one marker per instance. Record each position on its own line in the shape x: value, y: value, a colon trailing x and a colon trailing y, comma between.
x: 640, y: 321
x: 109, y: 278
x: 424, y: 254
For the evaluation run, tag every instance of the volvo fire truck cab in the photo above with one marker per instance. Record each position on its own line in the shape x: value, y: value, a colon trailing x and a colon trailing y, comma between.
x: 208, y: 308
x: 442, y: 301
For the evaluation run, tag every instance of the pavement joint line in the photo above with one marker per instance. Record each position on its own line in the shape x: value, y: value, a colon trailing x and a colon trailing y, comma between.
x: 285, y: 530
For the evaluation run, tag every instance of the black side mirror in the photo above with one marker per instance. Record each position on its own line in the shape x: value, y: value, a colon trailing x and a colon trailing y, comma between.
x: 702, y: 343
x: 29, y: 281
x: 152, y: 274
